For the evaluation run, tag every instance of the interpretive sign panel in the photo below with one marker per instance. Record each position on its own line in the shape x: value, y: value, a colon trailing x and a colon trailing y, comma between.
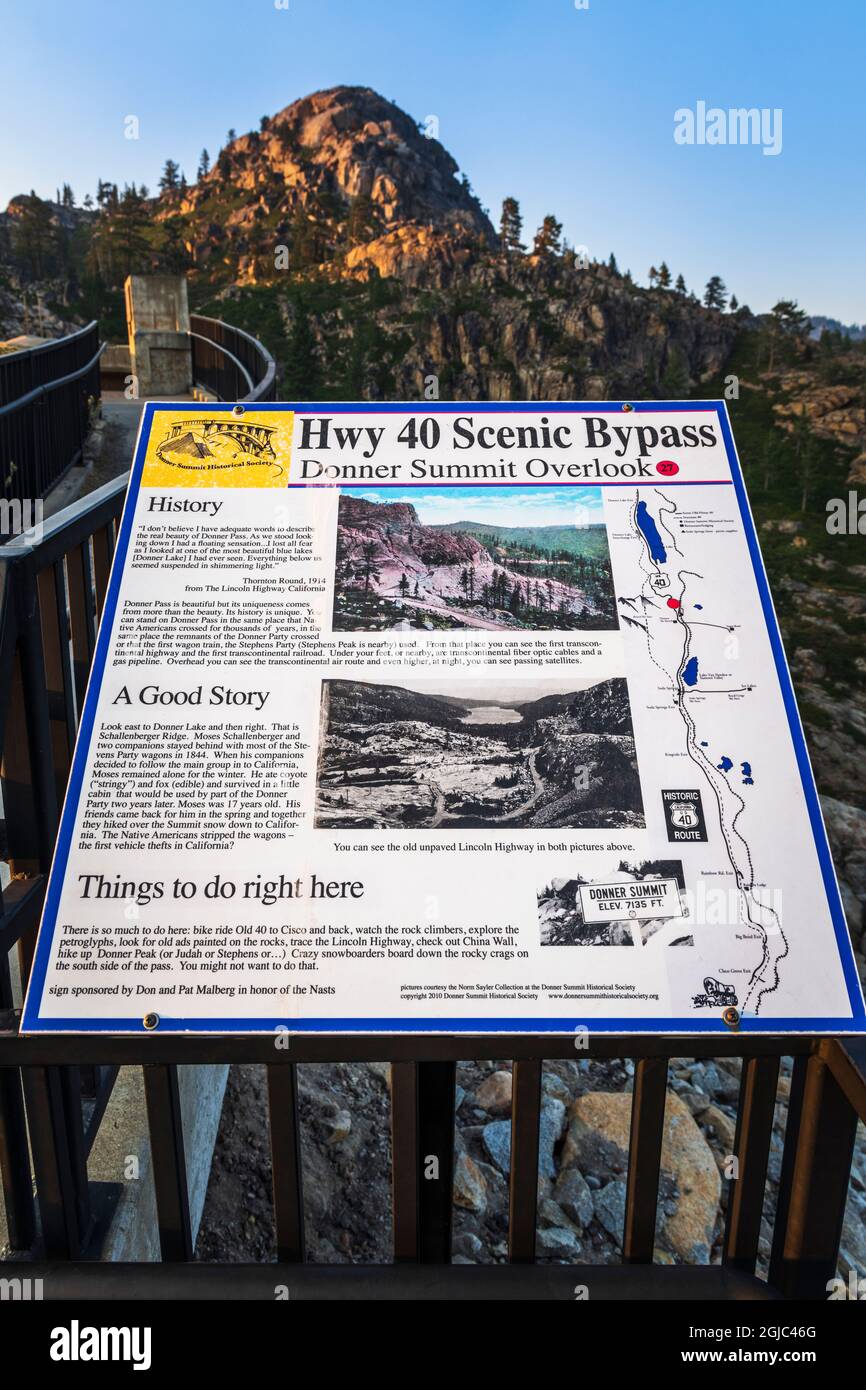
x: 440, y: 719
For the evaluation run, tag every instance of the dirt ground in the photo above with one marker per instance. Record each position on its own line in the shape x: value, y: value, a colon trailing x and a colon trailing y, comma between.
x: 346, y: 1155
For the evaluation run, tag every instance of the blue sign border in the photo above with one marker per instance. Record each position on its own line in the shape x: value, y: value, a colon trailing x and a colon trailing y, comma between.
x: 32, y: 1022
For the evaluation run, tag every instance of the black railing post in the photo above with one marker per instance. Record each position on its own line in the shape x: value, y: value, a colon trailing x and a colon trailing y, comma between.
x: 286, y: 1167
x: 35, y: 691
x: 15, y: 1175
x: 644, y: 1159
x: 789, y: 1155
x: 523, y: 1179
x: 759, y: 1079
x: 422, y: 1129
x: 15, y: 1162
x: 405, y: 1177
x: 436, y: 1095
x: 168, y: 1157
x: 809, y: 1241
x: 53, y: 1163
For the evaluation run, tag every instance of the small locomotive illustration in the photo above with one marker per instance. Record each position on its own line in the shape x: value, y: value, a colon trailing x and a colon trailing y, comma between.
x: 715, y: 995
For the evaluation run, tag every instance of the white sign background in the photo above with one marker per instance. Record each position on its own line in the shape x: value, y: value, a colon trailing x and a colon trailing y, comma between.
x: 449, y: 917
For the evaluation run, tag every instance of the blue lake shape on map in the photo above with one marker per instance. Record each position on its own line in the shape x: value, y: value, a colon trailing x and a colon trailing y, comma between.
x: 650, y: 534
x: 748, y: 779
x: 726, y: 764
x: 699, y: 605
x: 690, y: 672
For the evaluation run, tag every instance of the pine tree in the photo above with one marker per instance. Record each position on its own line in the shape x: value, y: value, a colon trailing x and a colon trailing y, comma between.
x: 368, y: 551
x: 612, y: 265
x: 511, y: 228
x: 770, y: 459
x: 787, y: 320
x: 173, y: 254
x: 361, y: 220
x: 130, y: 223
x: 170, y: 179
x: 548, y: 238
x: 734, y: 304
x: 653, y: 275
x: 203, y: 164
x: 664, y: 276
x: 675, y: 378
x: 680, y: 285
x: 35, y: 235
x: 300, y: 365
x: 806, y: 463
x: 715, y: 293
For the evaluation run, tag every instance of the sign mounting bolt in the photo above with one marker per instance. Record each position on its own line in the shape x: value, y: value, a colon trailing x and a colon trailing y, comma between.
x: 731, y: 1017
x: 151, y: 1021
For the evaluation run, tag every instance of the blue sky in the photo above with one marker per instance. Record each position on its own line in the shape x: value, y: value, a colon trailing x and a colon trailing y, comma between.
x: 570, y: 110
x: 497, y: 506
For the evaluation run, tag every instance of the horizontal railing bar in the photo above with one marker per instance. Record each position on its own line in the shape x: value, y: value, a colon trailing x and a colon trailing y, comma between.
x: 45, y: 349
x: 43, y: 1049
x: 47, y: 387
x: 22, y: 906
x: 68, y: 527
x: 397, y: 1282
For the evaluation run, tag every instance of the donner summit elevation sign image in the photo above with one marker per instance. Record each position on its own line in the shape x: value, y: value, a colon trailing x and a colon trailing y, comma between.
x: 440, y: 719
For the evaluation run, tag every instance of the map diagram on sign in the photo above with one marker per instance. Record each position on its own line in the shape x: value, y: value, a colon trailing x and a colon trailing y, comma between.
x: 667, y: 618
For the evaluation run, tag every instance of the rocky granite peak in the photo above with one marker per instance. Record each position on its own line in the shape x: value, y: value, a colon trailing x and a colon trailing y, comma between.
x: 329, y: 174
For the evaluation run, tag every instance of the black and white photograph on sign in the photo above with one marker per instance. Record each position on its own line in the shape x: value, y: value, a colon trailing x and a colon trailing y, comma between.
x: 629, y: 906
x: 477, y: 754
x: 488, y: 558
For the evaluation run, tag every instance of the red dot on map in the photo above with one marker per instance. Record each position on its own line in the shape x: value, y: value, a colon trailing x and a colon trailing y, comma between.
x: 667, y: 468
x: 673, y: 603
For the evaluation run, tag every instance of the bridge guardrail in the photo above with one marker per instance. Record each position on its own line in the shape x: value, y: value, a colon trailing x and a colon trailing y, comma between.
x: 46, y: 397
x: 230, y: 363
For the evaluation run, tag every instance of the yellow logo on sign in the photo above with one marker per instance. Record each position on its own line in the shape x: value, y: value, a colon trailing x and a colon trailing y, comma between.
x: 219, y: 450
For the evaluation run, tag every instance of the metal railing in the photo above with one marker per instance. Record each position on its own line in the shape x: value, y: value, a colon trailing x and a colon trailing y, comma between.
x: 50, y: 602
x: 46, y: 397
x: 230, y: 363
x: 55, y: 1087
